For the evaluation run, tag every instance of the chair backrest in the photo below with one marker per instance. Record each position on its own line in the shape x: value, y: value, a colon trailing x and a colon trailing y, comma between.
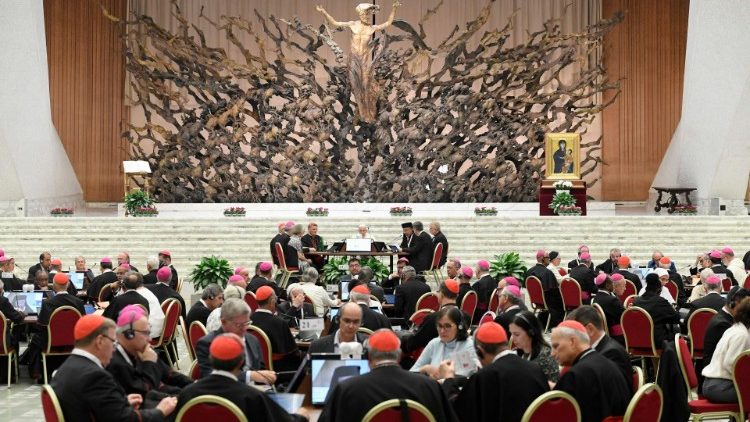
x: 265, y: 345
x: 366, y: 331
x: 437, y: 255
x: 726, y: 284
x: 536, y: 292
x: 469, y: 302
x: 741, y: 377
x: 309, y: 300
x: 672, y: 287
x: 208, y: 407
x: 697, y: 325
x: 104, y: 292
x: 570, y: 291
x: 628, y: 302
x: 488, y: 316
x: 3, y: 340
x: 196, y: 331
x: 171, y: 319
x: 557, y: 406
x: 186, y: 338
x: 638, y: 378
x: 646, y: 405
x: 638, y: 329
x: 60, y: 327
x: 50, y: 405
x: 686, y: 364
x: 629, y: 290
x: 178, y: 288
x: 746, y: 284
x: 251, y: 301
x: 494, y: 301
x: 428, y: 300
x: 395, y: 409
x: 602, y: 316
x: 417, y: 318
x: 195, y: 371
x: 280, y: 255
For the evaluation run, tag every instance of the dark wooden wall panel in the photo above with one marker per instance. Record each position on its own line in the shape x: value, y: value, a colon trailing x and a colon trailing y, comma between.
x: 648, y: 51
x: 87, y: 80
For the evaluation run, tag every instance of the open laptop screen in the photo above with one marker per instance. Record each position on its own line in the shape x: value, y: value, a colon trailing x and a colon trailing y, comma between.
x: 358, y: 245
x: 329, y: 369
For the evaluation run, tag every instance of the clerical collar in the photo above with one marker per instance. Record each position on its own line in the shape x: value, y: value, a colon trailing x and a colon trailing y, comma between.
x: 512, y: 307
x: 266, y: 311
x: 448, y: 304
x: 87, y: 355
x: 504, y: 353
x: 64, y: 292
x: 384, y: 363
x: 107, y: 270
x: 124, y: 354
x: 227, y: 374
x: 583, y: 355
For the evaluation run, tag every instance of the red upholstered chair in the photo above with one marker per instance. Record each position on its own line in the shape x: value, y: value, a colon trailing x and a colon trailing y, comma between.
x: 434, y: 270
x: 672, y: 287
x: 417, y: 318
x: 308, y: 300
x: 60, y: 334
x: 555, y: 406
x: 494, y: 301
x: 638, y: 329
x: 645, y: 406
x: 172, y: 310
x: 726, y: 284
x: 570, y: 291
x: 746, y: 284
x: 628, y: 302
x: 697, y: 325
x: 251, y: 301
x: 208, y: 407
x: 286, y: 272
x: 488, y: 316
x: 469, y: 302
x: 638, y: 378
x: 6, y: 349
x: 741, y: 375
x: 196, y: 331
x: 50, y: 405
x: 428, y: 301
x: 602, y: 316
x: 536, y: 296
x: 104, y: 293
x: 394, y: 410
x: 195, y: 370
x: 629, y: 291
x: 265, y: 345
x: 700, y: 408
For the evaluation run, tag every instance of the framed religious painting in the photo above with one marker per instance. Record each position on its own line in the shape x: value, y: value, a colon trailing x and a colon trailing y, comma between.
x: 562, y: 153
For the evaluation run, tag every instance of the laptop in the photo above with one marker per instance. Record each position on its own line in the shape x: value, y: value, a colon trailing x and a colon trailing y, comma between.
x: 27, y: 302
x: 390, y: 299
x: 358, y: 245
x: 380, y: 246
x: 77, y: 279
x: 336, y: 247
x: 299, y: 375
x: 288, y: 401
x: 344, y: 290
x: 328, y: 369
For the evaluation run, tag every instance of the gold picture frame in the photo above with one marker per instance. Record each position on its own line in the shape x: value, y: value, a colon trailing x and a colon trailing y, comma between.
x: 563, y: 161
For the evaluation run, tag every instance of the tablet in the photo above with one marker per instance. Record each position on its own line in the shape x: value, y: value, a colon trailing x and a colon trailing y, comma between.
x: 328, y: 370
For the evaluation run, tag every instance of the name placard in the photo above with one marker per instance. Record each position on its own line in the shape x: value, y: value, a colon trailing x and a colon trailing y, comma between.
x: 311, y: 324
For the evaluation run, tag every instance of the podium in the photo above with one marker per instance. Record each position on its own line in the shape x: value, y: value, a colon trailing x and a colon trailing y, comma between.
x: 547, y: 192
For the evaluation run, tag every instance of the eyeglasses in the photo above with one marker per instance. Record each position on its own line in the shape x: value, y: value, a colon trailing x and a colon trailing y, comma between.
x: 114, y: 340
x: 144, y: 332
x: 240, y: 324
x: 445, y: 327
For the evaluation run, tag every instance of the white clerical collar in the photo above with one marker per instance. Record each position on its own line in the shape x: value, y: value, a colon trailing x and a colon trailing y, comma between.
x: 107, y: 270
x: 596, y: 343
x: 124, y: 354
x: 227, y: 374
x: 511, y: 307
x: 263, y: 311
x: 87, y: 355
x: 204, y: 303
x: 503, y: 354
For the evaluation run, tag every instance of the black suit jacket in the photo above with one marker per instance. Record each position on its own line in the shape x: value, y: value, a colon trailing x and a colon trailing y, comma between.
x: 484, y: 287
x: 352, y: 398
x: 585, y: 277
x: 252, y: 347
x: 31, y: 278
x: 131, y: 297
x: 632, y: 277
x: 326, y: 344
x: 597, y: 385
x: 277, y: 331
x: 282, y: 238
x: 501, y: 391
x: 198, y: 312
x: 611, y: 306
x: 253, y: 403
x: 98, y: 283
x: 56, y: 301
x: 407, y: 295
x: 440, y: 238
x: 607, y: 266
x: 662, y: 313
x: 150, y: 278
x: 712, y: 301
x: 13, y: 283
x: 370, y: 319
x: 420, y: 252
x: 144, y: 376
x: 257, y: 282
x: 505, y: 318
x: 612, y: 350
x: 164, y: 292
x: 293, y: 315
x: 548, y: 279
x: 87, y: 392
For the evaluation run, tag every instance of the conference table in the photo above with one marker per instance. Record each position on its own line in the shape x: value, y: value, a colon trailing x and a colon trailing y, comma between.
x: 389, y: 254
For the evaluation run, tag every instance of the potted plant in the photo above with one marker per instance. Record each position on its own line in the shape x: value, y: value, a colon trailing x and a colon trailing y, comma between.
x: 210, y: 269
x: 317, y: 212
x: 401, y: 211
x: 485, y: 211
x: 569, y: 210
x: 61, y: 212
x: 562, y: 198
x: 334, y: 269
x: 145, y: 212
x: 508, y: 264
x: 234, y: 212
x: 685, y: 210
x: 380, y: 271
x: 136, y: 200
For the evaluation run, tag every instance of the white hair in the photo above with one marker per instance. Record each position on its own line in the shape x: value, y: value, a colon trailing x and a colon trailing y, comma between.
x: 705, y: 274
x: 152, y: 262
x: 582, y: 336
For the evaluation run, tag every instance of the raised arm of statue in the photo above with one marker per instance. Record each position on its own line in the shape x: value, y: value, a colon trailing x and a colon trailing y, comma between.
x: 386, y: 24
x: 331, y: 21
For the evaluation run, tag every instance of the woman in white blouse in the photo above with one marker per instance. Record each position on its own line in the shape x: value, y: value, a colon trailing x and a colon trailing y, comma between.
x: 718, y: 386
x: 453, y: 343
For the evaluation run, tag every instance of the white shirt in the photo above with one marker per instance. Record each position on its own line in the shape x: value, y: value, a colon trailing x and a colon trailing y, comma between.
x: 732, y: 343
x: 156, y: 315
x: 318, y: 295
x: 457, y: 351
x: 87, y: 355
x: 737, y: 267
x: 664, y: 293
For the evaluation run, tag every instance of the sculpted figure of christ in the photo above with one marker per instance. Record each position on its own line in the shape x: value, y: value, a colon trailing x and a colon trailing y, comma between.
x: 361, y: 73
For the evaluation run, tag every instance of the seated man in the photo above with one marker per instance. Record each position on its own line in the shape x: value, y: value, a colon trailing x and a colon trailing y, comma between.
x: 129, y: 297
x: 711, y: 300
x: 296, y: 308
x: 351, y: 399
x: 264, y: 278
x: 11, y: 315
x: 235, y: 317
x: 719, y: 324
x: 610, y: 304
x: 550, y: 287
x: 165, y: 260
x: 350, y: 319
x: 45, y: 261
x: 464, y: 279
x: 371, y: 320
x: 136, y: 366
x: 662, y: 313
x: 623, y: 263
x: 666, y: 264
x: 593, y: 380
x: 107, y: 276
x: 156, y: 315
x: 510, y: 304
x: 452, y: 266
x: 355, y: 266
x: 152, y: 266
x: 211, y: 298
x: 365, y: 278
x: 286, y: 354
x: 505, y: 386
x: 394, y: 279
x: 87, y: 392
x: 8, y: 277
x: 663, y: 276
x: 227, y: 360
x: 585, y: 276
x: 485, y: 287
x: 162, y: 291
x: 408, y: 292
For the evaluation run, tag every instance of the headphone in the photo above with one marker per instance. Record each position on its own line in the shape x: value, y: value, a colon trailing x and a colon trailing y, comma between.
x: 128, y: 331
x: 531, y: 330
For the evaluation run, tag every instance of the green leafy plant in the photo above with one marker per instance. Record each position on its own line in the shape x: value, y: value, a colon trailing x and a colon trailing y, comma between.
x: 507, y: 264
x: 379, y: 270
x: 561, y: 199
x: 211, y: 269
x: 136, y: 199
x: 332, y: 270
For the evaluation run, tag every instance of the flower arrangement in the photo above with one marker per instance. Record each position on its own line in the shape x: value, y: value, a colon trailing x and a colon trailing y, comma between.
x: 401, y: 211
x: 569, y: 210
x: 563, y: 198
x: 562, y: 185
x: 317, y: 212
x: 149, y: 211
x: 137, y: 199
x: 485, y: 211
x: 234, y: 212
x: 685, y: 209
x: 61, y: 212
